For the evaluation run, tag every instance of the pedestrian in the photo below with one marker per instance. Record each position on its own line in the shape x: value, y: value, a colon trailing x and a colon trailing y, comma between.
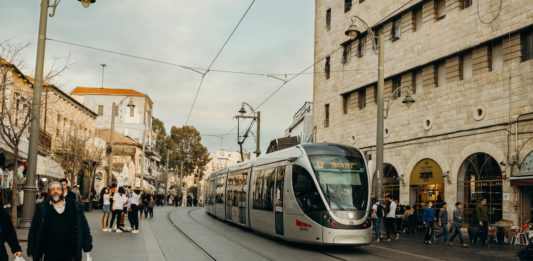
x: 443, y: 222
x: 9, y: 235
x: 176, y: 200
x: 151, y: 204
x: 409, y: 225
x: 105, y: 196
x: 67, y: 192
x: 119, y: 200
x: 457, y: 222
x: 145, y: 199
x: 390, y: 218
x: 428, y: 218
x: 76, y: 191
x: 133, y: 214
x: 482, y: 213
x: 377, y: 217
x: 59, y: 229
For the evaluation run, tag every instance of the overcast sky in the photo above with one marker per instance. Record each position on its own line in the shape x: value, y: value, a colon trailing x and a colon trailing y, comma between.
x: 276, y: 36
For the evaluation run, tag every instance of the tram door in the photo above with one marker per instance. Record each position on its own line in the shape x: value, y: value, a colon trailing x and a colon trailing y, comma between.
x: 229, y: 195
x: 278, y: 209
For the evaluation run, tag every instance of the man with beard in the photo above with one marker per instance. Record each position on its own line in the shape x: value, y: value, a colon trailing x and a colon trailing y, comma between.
x: 59, y: 230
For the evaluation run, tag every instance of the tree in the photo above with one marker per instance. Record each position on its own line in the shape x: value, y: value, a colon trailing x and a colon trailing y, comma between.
x: 186, y: 147
x: 77, y: 149
x: 15, y: 114
x: 16, y: 90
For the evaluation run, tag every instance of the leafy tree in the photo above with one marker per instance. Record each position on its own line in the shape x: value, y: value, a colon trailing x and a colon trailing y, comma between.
x: 185, y: 146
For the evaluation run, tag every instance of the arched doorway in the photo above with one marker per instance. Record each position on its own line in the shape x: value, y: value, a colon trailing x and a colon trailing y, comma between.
x: 390, y: 183
x: 426, y: 184
x: 480, y: 177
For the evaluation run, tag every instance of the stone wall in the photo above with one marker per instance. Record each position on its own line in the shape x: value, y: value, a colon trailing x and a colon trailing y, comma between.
x: 448, y: 122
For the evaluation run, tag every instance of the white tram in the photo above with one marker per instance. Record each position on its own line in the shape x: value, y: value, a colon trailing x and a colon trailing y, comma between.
x: 311, y: 193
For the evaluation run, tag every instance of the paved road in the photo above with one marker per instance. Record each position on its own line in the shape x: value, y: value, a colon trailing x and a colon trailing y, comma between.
x: 190, y: 234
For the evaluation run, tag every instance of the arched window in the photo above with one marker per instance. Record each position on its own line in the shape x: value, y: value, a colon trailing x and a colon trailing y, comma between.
x: 480, y: 177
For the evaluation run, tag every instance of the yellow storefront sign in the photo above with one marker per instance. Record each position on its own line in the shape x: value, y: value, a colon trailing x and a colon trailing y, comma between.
x: 426, y: 172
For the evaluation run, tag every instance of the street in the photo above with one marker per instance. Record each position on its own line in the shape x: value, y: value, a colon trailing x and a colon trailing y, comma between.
x: 190, y: 234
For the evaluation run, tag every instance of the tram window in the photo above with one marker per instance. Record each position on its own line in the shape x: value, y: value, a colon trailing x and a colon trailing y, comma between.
x: 305, y: 191
x: 263, y: 189
x: 219, y: 198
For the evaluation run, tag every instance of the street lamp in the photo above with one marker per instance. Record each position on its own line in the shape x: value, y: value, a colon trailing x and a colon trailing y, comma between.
x: 256, y: 117
x: 111, y: 141
x: 30, y: 189
x: 352, y: 32
x: 87, y: 3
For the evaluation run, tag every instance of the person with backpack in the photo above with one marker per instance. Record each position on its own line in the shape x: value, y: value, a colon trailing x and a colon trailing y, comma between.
x: 377, y: 216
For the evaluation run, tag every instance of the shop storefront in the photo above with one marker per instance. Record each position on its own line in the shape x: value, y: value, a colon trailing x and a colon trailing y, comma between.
x: 426, y: 184
x: 524, y: 182
x: 480, y: 177
x: 391, y: 181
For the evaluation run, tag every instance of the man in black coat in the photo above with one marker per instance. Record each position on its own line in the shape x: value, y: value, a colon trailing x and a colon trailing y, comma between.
x: 8, y: 235
x: 59, y: 229
x: 67, y: 192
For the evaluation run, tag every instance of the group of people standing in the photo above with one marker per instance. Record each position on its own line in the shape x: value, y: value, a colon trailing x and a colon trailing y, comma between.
x: 121, y: 201
x: 386, y: 212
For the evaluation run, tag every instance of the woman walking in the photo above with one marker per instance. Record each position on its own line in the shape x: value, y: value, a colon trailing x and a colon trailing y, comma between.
x: 105, y: 196
x: 119, y: 200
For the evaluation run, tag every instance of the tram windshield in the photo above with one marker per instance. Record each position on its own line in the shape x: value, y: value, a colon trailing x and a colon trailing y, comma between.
x: 343, y: 180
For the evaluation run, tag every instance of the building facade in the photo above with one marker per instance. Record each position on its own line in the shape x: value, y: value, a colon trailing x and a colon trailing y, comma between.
x: 133, y: 118
x: 302, y: 124
x: 468, y: 65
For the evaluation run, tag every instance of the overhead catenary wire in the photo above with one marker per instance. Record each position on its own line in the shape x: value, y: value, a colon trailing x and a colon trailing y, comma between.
x: 214, y: 60
x: 196, y: 69
x: 317, y: 61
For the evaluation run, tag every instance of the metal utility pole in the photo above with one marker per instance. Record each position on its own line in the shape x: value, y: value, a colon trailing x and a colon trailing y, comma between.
x: 380, y: 115
x: 180, y: 188
x: 258, y: 141
x: 103, y: 69
x: 110, y: 156
x: 166, y: 175
x: 30, y: 189
x: 143, y: 158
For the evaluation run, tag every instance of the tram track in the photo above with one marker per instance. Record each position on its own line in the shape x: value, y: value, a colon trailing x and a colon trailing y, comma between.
x: 225, y: 236
x: 204, y: 251
x: 189, y: 215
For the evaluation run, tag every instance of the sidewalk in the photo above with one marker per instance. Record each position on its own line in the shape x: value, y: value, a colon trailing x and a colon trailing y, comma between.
x: 414, y: 243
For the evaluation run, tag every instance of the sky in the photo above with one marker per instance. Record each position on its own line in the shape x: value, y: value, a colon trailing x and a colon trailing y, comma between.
x: 275, y: 37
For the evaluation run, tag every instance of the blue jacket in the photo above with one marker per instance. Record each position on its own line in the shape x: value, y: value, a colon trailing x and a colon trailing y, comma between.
x: 81, y: 236
x: 428, y: 215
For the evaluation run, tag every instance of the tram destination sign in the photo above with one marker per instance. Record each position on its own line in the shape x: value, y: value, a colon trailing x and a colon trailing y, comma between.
x: 337, y: 165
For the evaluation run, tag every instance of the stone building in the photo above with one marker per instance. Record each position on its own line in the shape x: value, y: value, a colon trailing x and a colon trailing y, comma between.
x: 133, y: 119
x: 468, y: 64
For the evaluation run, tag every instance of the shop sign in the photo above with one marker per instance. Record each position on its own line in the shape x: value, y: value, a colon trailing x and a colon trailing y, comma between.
x: 425, y: 172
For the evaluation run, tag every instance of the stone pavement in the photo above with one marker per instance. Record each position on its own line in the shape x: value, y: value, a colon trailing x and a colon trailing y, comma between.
x: 160, y: 239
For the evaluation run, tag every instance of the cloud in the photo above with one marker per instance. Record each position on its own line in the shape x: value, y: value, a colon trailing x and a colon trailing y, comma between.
x: 275, y: 37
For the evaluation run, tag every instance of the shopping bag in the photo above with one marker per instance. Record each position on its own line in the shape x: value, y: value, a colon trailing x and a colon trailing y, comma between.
x: 19, y: 258
x: 89, y: 257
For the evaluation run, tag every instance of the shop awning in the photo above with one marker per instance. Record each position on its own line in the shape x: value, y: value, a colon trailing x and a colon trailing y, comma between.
x: 522, y: 180
x: 49, y: 168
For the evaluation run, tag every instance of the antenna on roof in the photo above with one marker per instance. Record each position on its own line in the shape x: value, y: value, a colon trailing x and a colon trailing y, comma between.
x: 103, y: 69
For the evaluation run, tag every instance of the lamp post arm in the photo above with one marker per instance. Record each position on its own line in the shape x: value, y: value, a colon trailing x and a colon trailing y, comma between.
x: 395, y: 92
x: 368, y: 29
